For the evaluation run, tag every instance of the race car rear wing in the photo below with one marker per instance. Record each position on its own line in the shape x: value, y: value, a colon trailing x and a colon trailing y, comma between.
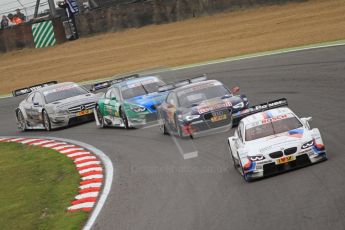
x: 180, y: 83
x: 261, y: 107
x: 22, y: 91
x: 108, y: 83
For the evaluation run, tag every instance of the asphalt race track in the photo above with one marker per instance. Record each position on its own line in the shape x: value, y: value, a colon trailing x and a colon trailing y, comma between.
x: 155, y: 188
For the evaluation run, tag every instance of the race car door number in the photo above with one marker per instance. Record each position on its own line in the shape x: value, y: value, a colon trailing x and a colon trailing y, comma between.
x: 218, y: 118
x: 285, y: 159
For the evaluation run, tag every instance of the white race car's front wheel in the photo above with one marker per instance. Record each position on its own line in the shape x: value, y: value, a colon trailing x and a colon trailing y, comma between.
x: 21, y: 121
x: 241, y: 170
x: 234, y: 160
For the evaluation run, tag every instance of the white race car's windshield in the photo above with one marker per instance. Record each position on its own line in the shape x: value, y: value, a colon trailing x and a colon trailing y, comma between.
x: 194, y: 96
x: 63, y: 92
x: 140, y: 89
x: 272, y: 128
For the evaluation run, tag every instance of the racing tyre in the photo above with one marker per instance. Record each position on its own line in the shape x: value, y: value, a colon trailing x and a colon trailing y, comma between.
x: 179, y: 131
x: 100, y: 118
x: 235, y: 163
x: 231, y: 121
x: 163, y: 128
x: 21, y: 121
x: 46, y: 121
x: 240, y: 169
x: 124, y: 118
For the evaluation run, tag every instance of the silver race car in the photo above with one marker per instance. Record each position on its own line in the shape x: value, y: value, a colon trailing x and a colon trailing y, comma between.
x: 271, y: 140
x: 51, y: 105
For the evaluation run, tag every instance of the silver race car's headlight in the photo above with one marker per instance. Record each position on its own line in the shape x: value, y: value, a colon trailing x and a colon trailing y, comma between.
x: 191, y: 117
x: 307, y: 144
x: 60, y: 112
x: 138, y: 109
x: 257, y: 158
x: 239, y: 105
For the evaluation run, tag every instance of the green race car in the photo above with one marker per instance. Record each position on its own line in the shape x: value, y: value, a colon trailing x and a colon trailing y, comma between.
x: 129, y: 102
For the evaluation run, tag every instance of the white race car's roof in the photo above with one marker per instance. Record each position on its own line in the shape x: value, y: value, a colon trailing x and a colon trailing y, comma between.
x: 259, y: 118
x: 56, y: 86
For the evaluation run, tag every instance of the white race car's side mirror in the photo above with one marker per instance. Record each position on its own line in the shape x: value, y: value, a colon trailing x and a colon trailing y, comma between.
x: 234, y: 138
x: 306, y: 121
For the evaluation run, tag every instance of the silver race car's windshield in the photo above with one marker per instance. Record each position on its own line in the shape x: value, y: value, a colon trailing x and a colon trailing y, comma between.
x: 63, y: 92
x: 140, y: 89
x: 272, y: 128
x: 195, y: 95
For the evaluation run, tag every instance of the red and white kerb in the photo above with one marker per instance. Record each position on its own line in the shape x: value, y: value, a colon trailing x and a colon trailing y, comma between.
x: 89, y: 168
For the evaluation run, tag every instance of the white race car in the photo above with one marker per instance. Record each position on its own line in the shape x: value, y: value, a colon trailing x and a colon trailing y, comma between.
x: 272, y: 139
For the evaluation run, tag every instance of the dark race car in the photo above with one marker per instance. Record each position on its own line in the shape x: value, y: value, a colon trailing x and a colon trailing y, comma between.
x: 197, y: 106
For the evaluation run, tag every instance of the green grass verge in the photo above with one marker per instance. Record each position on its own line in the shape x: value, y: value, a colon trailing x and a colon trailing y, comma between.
x: 37, y: 185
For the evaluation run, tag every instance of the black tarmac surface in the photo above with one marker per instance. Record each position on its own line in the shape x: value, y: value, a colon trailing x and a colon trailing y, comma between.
x: 155, y: 188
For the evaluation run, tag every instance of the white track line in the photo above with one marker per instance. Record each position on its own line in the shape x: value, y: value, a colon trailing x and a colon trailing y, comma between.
x: 17, y: 139
x: 77, y: 154
x: 94, y: 169
x: 97, y: 176
x: 84, y: 158
x: 92, y: 185
x: 63, y: 146
x: 82, y: 205
x: 29, y: 140
x: 71, y: 150
x: 88, y: 163
x: 54, y: 144
x: 86, y: 195
x: 43, y: 142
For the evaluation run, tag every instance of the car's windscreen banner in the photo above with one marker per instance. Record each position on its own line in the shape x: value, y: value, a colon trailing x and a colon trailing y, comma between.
x: 22, y: 91
x: 181, y: 83
x: 261, y: 107
x: 107, y: 84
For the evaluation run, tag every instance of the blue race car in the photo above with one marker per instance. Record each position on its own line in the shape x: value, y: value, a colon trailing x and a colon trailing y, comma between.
x: 129, y: 102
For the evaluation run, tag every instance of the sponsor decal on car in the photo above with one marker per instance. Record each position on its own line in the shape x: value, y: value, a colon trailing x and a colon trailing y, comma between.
x: 139, y: 83
x: 59, y: 89
x: 212, y: 107
x: 273, y: 119
x: 296, y: 133
x: 198, y: 87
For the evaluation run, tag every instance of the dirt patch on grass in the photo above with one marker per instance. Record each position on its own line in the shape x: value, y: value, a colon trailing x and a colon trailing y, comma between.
x: 186, y: 42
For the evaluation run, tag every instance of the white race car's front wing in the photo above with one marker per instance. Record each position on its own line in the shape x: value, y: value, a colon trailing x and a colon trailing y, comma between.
x: 264, y: 168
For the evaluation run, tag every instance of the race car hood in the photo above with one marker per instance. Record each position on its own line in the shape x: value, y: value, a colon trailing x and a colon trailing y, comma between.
x: 74, y: 101
x: 266, y: 145
x: 149, y: 101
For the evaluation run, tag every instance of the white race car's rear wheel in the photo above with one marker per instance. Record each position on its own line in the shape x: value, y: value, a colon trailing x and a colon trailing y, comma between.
x: 46, y: 121
x: 21, y: 121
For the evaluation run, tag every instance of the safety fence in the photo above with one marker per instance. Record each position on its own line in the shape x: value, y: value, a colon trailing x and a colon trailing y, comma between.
x: 117, y: 15
x: 32, y: 35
